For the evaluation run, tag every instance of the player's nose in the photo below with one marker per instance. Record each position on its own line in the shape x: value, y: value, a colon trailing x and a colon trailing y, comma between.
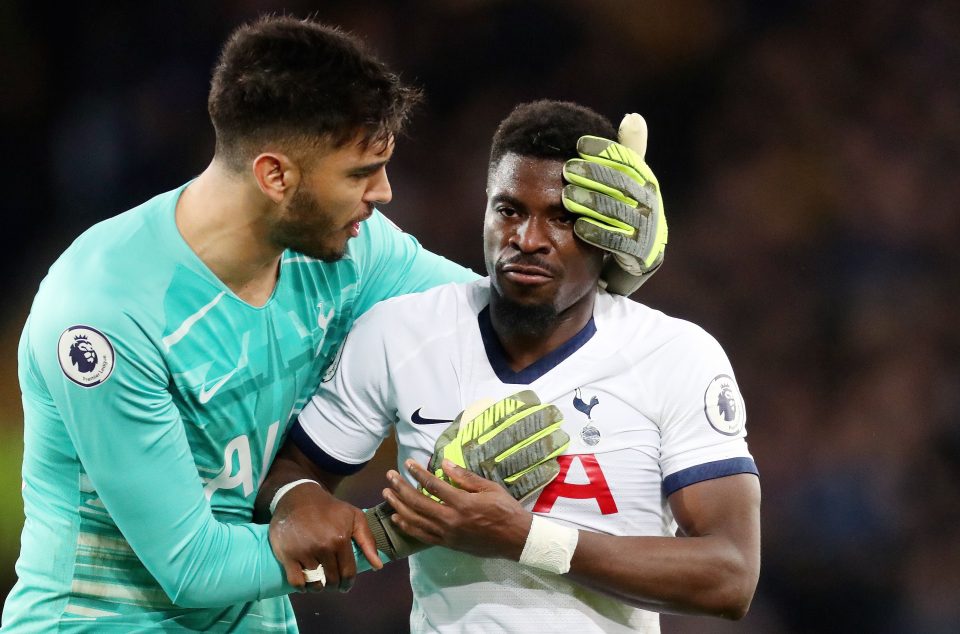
x: 379, y: 191
x: 531, y: 236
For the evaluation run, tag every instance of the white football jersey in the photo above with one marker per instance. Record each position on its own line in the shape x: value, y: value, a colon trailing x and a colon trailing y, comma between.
x: 650, y: 403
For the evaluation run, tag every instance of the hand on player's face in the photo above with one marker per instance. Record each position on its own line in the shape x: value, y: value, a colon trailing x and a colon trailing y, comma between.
x: 531, y: 252
x: 479, y: 517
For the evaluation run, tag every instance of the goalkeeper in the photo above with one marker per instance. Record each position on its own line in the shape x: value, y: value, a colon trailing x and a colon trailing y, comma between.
x: 656, y: 423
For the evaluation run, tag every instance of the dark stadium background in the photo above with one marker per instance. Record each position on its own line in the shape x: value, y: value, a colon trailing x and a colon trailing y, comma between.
x: 808, y: 155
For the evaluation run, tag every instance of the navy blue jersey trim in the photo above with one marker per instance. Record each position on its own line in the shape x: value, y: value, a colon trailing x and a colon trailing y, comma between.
x: 320, y: 457
x: 497, y: 356
x: 708, y: 471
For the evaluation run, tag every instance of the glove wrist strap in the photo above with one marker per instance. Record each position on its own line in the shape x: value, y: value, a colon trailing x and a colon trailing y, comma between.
x: 389, y: 539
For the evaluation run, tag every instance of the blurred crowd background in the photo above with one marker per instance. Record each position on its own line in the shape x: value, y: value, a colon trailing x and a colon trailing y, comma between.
x: 805, y: 150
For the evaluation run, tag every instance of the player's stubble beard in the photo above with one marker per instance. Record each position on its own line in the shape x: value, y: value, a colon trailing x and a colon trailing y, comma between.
x: 522, y: 319
x: 307, y: 228
x: 526, y: 318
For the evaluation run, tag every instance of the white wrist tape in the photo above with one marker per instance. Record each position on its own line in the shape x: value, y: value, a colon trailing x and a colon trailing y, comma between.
x: 549, y: 546
x: 282, y: 491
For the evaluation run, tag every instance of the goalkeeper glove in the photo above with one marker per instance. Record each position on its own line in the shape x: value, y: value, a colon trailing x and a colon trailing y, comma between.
x: 513, y: 442
x: 617, y: 197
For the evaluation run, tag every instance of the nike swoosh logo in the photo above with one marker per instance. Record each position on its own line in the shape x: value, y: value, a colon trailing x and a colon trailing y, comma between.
x: 206, y: 395
x: 417, y: 419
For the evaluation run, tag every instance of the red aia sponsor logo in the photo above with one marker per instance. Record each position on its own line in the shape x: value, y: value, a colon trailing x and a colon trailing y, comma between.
x: 595, y: 488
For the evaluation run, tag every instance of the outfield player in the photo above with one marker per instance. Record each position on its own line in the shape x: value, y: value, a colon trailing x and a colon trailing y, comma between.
x: 656, y: 508
x: 169, y: 347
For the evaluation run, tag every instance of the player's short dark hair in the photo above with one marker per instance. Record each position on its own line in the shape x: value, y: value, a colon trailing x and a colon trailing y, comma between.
x: 282, y: 79
x: 547, y: 129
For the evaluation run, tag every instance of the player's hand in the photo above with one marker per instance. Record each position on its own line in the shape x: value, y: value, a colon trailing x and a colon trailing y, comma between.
x: 617, y: 197
x: 311, y: 528
x: 513, y: 442
x: 476, y: 516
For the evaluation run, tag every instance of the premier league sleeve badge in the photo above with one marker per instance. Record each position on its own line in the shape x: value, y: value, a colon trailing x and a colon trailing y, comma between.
x: 86, y: 355
x: 723, y: 406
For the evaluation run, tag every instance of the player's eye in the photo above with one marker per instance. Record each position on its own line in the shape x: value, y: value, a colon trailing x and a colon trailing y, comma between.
x: 366, y: 172
x: 507, y: 212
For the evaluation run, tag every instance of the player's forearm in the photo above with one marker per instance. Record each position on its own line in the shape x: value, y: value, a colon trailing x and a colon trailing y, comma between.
x: 282, y: 473
x: 289, y: 466
x: 712, y: 569
x: 684, y: 575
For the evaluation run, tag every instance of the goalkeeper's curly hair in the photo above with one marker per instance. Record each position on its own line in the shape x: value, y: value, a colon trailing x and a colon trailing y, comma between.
x: 547, y: 129
x: 289, y: 81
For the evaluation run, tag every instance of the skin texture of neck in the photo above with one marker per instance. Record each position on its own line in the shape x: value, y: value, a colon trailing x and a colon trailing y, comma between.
x: 526, y: 342
x: 224, y: 220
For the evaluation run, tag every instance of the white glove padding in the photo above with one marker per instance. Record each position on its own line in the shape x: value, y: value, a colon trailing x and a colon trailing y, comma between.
x: 617, y: 197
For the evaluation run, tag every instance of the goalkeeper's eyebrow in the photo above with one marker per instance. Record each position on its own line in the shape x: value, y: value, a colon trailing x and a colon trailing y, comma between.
x: 367, y: 170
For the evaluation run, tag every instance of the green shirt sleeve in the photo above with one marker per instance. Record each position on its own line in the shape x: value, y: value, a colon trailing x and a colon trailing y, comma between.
x: 393, y: 263
x: 130, y: 441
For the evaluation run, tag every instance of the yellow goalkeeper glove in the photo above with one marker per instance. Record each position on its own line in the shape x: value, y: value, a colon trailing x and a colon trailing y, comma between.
x: 513, y: 442
x: 617, y: 197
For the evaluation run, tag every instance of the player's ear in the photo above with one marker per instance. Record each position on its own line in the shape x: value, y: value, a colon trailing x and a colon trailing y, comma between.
x: 276, y: 175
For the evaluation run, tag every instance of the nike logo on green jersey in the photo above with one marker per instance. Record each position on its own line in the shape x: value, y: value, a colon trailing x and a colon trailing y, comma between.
x: 206, y: 395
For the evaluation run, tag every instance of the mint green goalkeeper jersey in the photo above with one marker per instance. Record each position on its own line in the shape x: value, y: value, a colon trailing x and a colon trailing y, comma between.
x: 154, y: 401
